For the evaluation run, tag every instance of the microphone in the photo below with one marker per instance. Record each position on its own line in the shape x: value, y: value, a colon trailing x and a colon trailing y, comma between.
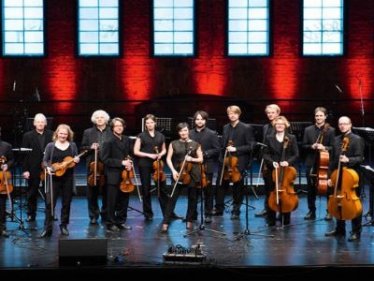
x: 22, y: 149
x: 338, y: 88
x: 37, y: 95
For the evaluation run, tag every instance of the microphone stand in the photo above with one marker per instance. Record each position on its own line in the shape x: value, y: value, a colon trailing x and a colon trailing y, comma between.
x: 202, y: 211
x: 361, y: 101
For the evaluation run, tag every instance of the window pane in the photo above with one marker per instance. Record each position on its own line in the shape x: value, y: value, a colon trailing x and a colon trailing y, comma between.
x: 98, y: 27
x: 248, y: 27
x: 323, y: 27
x: 23, y: 27
x: 173, y: 27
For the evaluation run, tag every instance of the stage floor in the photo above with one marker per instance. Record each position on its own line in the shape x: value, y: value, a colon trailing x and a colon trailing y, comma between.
x: 301, y: 244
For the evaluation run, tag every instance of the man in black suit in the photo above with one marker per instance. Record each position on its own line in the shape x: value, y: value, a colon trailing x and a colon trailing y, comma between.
x: 93, y: 139
x: 114, y: 154
x: 36, y: 140
x: 350, y: 157
x: 272, y: 111
x: 6, y: 154
x: 317, y: 137
x: 210, y: 145
x: 237, y: 141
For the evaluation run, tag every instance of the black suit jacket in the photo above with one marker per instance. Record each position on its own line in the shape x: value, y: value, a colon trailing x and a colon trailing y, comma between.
x: 311, y: 134
x: 113, y: 153
x: 243, y: 139
x: 210, y: 146
x: 33, y: 159
x: 355, y: 152
x: 274, y: 149
x: 92, y: 135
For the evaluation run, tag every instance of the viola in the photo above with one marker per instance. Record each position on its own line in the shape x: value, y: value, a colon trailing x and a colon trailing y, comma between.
x: 60, y: 168
x: 230, y: 171
x: 284, y: 198
x: 96, y: 172
x: 344, y: 203
x: 6, y: 186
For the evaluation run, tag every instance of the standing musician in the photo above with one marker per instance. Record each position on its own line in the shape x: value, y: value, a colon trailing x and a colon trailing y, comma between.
x: 93, y: 139
x: 150, y: 148
x: 183, y: 158
x: 272, y: 111
x: 36, y: 140
x: 210, y: 145
x: 56, y: 156
x: 115, y: 153
x: 273, y: 158
x: 352, y: 158
x: 318, y: 137
x: 7, y: 154
x: 237, y: 140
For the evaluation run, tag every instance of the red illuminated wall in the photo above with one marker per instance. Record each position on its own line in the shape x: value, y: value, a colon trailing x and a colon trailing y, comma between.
x: 136, y: 83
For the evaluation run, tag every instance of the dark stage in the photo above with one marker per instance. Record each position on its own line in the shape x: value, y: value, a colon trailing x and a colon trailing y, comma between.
x: 297, y: 249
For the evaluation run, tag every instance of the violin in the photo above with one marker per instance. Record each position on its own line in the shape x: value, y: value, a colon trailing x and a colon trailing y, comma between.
x: 158, y: 167
x: 6, y: 186
x: 230, y: 171
x: 129, y: 181
x: 204, y: 178
x: 344, y: 204
x: 60, y: 168
x: 184, y: 173
x: 284, y: 198
x: 96, y: 172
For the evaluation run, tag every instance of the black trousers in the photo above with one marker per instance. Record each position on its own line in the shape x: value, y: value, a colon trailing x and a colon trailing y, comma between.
x: 117, y: 204
x: 356, y: 225
x: 312, y: 190
x: 63, y: 185
x: 93, y: 193
x: 32, y: 195
x: 237, y: 195
x: 192, y: 194
x: 3, y: 198
x: 268, y: 186
x: 146, y: 178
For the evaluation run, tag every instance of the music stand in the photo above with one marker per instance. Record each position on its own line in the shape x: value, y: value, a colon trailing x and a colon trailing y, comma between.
x: 12, y: 214
x: 369, y: 173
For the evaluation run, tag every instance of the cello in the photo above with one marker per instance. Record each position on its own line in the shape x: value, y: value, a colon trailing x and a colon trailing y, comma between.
x: 322, y: 164
x: 284, y: 198
x: 343, y: 203
x: 6, y: 186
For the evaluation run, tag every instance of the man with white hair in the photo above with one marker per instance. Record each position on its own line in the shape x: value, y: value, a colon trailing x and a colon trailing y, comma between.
x: 36, y: 140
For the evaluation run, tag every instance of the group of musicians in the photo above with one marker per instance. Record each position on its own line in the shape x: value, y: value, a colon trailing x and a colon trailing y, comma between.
x: 192, y: 160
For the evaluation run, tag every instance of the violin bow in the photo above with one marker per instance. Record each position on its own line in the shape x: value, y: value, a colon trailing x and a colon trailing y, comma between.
x: 158, y: 173
x: 136, y: 183
x: 95, y: 167
x: 223, y: 168
x: 7, y: 190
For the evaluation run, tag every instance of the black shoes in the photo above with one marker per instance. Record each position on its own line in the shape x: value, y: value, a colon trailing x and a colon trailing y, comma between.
x: 93, y: 221
x: 335, y: 233
x: 46, y: 233
x: 354, y: 237
x: 64, y: 230
x: 124, y: 226
x: 30, y: 218
x: 328, y: 217
x: 174, y: 216
x: 148, y: 217
x: 234, y: 216
x: 262, y: 213
x: 208, y: 219
x: 112, y: 228
x: 310, y: 216
x: 4, y: 234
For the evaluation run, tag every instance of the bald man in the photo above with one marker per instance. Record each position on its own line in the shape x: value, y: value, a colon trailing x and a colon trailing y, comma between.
x: 351, y: 158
